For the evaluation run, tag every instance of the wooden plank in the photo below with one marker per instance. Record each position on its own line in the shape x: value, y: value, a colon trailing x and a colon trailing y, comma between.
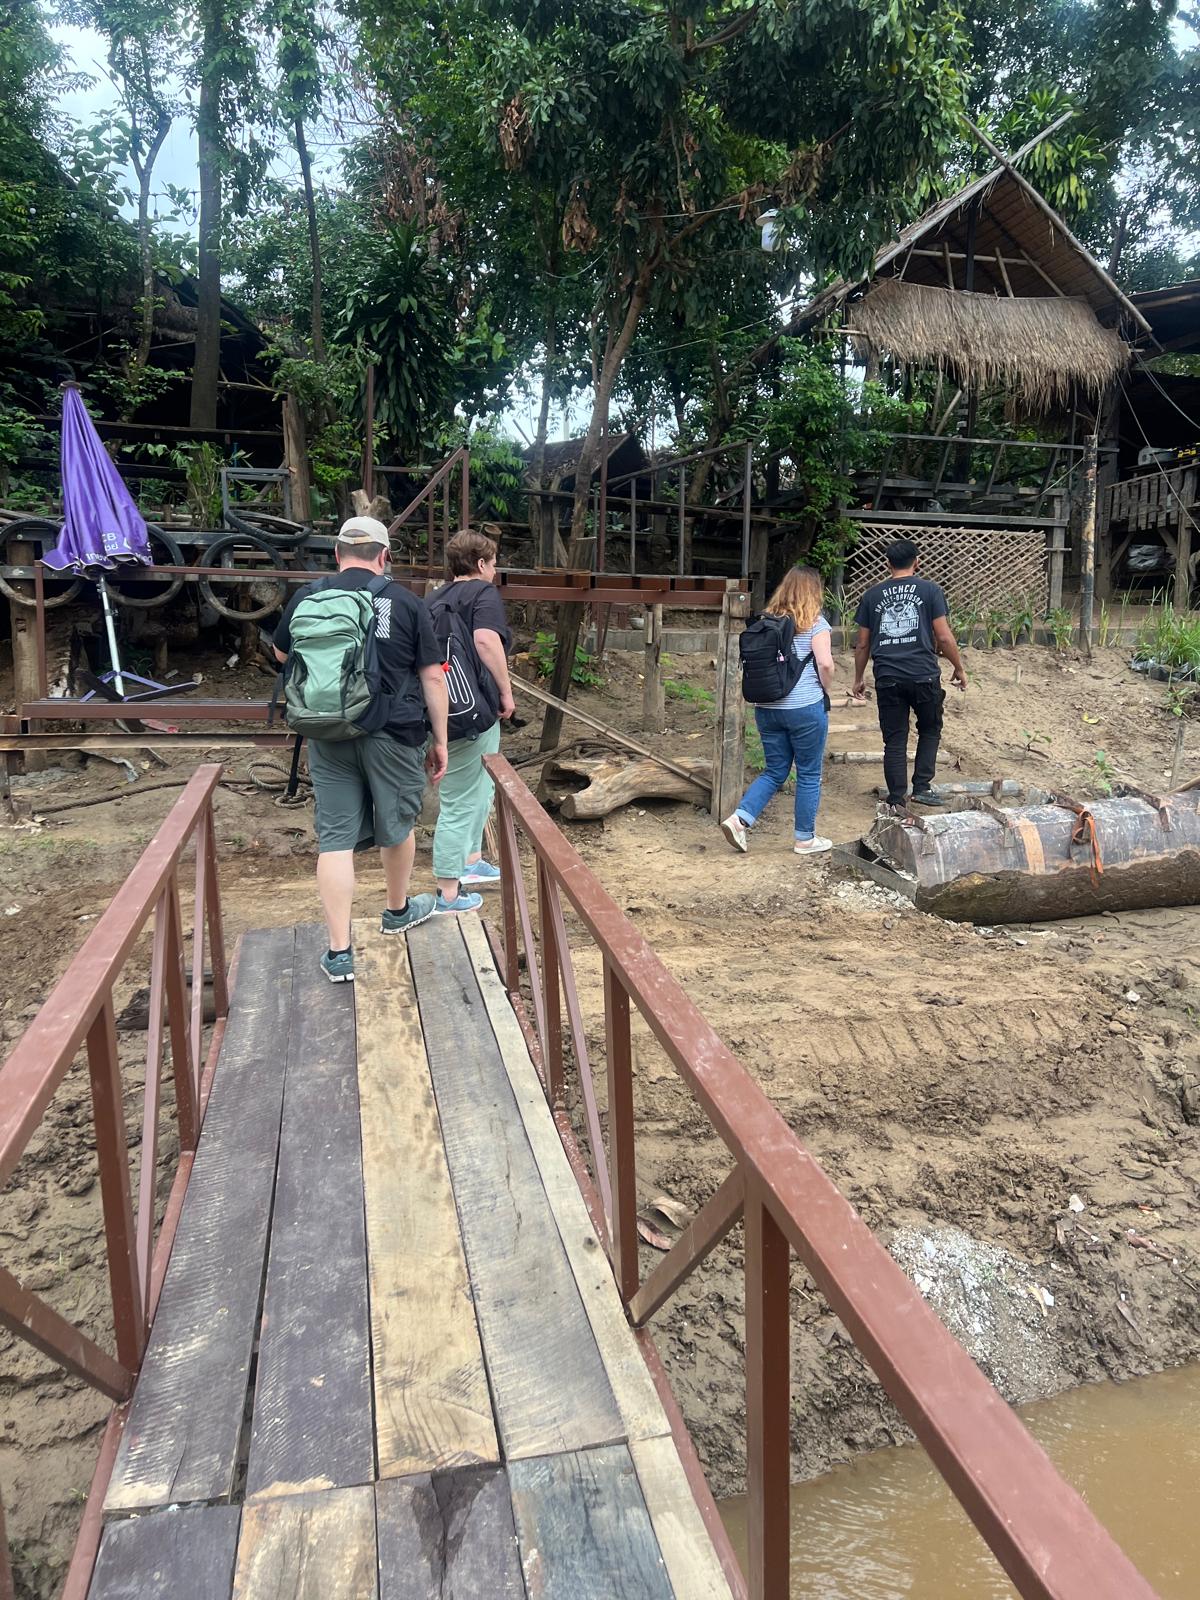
x: 432, y: 1406
x: 318, y: 1546
x: 549, y: 1388
x: 168, y: 1555
x: 687, y: 1550
x: 637, y: 1399
x: 584, y: 1530
x: 523, y: 686
x: 312, y: 1421
x: 448, y: 1537
x: 181, y: 1440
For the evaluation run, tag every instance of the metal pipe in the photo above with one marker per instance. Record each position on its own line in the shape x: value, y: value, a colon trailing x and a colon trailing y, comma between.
x: 633, y: 528
x: 110, y: 629
x: 369, y: 436
x: 682, y: 513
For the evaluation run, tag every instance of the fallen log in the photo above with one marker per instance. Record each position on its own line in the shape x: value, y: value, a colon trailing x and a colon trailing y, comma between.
x: 593, y: 786
x: 523, y: 686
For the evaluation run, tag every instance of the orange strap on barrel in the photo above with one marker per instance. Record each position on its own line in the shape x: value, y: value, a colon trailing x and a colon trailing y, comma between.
x: 1085, y: 833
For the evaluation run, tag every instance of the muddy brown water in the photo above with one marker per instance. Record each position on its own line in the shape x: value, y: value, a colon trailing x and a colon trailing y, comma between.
x: 886, y: 1526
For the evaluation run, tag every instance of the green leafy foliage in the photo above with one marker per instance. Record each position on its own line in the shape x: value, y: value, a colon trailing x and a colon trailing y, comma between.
x: 541, y: 653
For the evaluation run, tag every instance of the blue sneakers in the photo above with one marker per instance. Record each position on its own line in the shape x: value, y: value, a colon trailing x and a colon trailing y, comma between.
x: 338, y: 966
x: 419, y: 909
x: 461, y: 902
x: 480, y: 874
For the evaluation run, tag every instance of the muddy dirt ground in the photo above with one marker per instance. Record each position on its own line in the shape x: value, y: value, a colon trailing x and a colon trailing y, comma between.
x: 997, y: 1104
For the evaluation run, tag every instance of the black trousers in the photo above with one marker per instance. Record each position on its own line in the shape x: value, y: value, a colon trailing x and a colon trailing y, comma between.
x: 895, y: 701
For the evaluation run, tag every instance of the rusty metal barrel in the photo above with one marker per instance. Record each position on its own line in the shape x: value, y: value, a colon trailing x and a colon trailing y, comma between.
x: 1062, y: 859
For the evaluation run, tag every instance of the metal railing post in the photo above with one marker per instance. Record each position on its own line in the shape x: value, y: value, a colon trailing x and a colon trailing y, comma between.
x: 207, y: 838
x: 510, y: 865
x: 768, y: 1401
x: 112, y: 1152
x: 621, y: 1155
x: 552, y: 1041
x: 465, y: 508
x: 184, y: 1066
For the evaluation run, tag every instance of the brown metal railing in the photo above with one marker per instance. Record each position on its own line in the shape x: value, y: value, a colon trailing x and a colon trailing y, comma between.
x: 1039, y: 1529
x: 80, y: 1013
x: 442, y: 477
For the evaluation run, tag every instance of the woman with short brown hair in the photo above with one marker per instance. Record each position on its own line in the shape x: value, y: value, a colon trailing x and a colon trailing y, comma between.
x: 793, y: 730
x: 465, y: 793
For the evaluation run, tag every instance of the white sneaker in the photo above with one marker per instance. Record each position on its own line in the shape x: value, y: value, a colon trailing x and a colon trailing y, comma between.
x: 815, y: 846
x: 734, y: 830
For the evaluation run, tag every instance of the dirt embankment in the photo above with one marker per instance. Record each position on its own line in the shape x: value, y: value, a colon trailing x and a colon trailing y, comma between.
x: 946, y: 1077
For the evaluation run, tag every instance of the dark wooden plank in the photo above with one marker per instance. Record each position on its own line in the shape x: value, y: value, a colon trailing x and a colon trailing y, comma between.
x: 549, y: 1387
x: 312, y: 1422
x: 181, y: 1440
x: 448, y: 1537
x: 308, y: 1547
x: 168, y: 1555
x: 584, y: 1530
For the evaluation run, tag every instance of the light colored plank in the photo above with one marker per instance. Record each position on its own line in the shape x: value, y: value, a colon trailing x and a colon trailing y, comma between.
x: 312, y: 1421
x: 181, y: 1440
x: 637, y: 1399
x: 308, y: 1547
x: 549, y: 1387
x: 692, y: 1563
x: 584, y: 1530
x: 432, y: 1407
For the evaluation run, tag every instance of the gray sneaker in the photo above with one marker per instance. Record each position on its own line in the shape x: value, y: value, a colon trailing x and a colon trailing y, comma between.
x: 419, y: 909
x: 339, y: 967
x: 468, y: 901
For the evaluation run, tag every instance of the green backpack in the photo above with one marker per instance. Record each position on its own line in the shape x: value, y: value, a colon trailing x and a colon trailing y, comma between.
x: 331, y: 680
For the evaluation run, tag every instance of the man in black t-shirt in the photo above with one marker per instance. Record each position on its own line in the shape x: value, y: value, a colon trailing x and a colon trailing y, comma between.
x: 371, y: 787
x: 902, y: 628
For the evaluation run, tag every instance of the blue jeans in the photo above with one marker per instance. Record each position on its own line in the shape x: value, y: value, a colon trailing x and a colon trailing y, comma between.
x: 789, y: 737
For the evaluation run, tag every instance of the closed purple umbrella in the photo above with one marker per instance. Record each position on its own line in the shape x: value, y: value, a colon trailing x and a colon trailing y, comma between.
x: 102, y: 527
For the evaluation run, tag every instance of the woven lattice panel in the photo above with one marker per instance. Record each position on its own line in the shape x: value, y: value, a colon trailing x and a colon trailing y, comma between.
x: 977, y: 567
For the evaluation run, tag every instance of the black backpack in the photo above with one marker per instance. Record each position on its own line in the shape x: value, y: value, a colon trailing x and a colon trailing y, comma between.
x: 474, y: 697
x: 770, y: 669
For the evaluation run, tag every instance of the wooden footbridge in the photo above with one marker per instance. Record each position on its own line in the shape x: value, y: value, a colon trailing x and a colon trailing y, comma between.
x: 386, y: 1340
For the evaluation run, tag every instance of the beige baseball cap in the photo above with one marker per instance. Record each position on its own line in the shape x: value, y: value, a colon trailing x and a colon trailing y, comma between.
x: 362, y: 530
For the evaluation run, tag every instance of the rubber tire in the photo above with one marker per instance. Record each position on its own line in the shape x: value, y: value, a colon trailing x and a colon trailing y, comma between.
x: 39, y: 525
x: 218, y: 548
x: 160, y: 597
x: 277, y: 531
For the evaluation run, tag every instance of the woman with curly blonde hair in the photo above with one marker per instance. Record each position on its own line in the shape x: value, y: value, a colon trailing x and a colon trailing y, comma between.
x: 793, y: 730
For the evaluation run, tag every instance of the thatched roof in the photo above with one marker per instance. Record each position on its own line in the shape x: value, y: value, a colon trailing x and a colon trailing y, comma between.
x: 1019, y: 248
x: 1038, y: 348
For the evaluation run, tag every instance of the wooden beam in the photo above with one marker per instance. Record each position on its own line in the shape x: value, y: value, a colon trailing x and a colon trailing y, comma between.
x: 523, y: 686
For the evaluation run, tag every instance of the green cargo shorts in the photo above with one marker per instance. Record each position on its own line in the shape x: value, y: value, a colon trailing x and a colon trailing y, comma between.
x: 367, y: 789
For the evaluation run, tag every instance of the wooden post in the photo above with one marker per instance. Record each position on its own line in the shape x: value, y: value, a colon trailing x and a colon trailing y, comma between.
x: 1087, y: 539
x: 1183, y: 536
x: 653, y: 702
x: 1058, y: 554
x: 295, y: 456
x: 26, y: 679
x: 729, y: 747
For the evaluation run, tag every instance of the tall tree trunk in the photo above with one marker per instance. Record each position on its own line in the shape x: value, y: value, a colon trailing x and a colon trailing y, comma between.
x: 207, y: 367
x: 571, y: 616
x: 145, y: 171
x: 314, y: 240
x: 1118, y: 244
x: 543, y: 516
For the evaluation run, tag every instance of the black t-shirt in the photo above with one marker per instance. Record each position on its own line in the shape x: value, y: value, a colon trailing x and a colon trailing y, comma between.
x: 900, y: 614
x: 479, y: 604
x: 405, y: 641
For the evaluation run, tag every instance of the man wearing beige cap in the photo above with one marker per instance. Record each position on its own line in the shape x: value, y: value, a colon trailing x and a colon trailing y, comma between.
x: 369, y: 755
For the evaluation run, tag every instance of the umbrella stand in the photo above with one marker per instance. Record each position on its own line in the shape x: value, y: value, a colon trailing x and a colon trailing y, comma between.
x: 110, y: 629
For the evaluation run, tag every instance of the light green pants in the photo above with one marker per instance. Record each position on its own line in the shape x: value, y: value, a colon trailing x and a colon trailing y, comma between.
x: 464, y: 800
